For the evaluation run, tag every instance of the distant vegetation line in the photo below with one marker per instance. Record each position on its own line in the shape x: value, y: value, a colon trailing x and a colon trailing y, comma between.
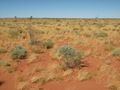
x: 53, y: 18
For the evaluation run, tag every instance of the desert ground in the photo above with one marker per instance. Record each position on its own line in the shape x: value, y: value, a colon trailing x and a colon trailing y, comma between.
x: 59, y: 54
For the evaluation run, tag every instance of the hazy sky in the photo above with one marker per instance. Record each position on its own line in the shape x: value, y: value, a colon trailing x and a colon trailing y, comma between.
x: 60, y: 8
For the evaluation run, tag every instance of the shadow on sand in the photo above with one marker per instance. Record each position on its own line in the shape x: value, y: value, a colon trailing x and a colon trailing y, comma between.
x: 1, y: 82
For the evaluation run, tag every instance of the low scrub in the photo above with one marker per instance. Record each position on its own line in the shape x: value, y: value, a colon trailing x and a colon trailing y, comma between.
x: 100, y: 34
x: 3, y: 63
x: 47, y: 44
x: 2, y: 50
x: 83, y: 76
x: 116, y: 52
x: 14, y: 33
x: 69, y: 56
x: 37, y: 51
x: 18, y: 52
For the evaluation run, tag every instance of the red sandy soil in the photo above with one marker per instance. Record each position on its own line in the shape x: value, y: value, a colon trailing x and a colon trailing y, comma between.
x: 74, y: 85
x: 8, y: 81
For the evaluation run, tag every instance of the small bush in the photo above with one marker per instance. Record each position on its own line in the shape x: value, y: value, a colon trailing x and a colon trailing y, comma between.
x: 70, y: 56
x: 18, y: 52
x: 116, y: 52
x: 47, y: 44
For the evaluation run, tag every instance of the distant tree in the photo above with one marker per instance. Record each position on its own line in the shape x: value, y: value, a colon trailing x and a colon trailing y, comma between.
x: 15, y: 18
x: 31, y: 18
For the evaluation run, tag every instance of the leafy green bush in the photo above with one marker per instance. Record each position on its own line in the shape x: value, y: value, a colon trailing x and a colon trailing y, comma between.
x: 70, y: 56
x: 18, y: 52
x: 116, y: 52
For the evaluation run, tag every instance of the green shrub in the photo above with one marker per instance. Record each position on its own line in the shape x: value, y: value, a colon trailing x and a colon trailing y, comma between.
x: 116, y: 52
x: 70, y: 56
x: 18, y: 52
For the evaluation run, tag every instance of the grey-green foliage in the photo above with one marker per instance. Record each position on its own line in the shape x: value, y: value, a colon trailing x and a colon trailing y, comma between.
x: 18, y: 52
x: 116, y: 52
x: 3, y: 63
x: 71, y: 57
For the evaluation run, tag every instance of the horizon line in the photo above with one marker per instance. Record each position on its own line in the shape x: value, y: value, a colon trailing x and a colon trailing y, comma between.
x: 59, y: 17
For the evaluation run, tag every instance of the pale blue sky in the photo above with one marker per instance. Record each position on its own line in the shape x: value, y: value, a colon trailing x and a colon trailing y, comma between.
x: 60, y: 8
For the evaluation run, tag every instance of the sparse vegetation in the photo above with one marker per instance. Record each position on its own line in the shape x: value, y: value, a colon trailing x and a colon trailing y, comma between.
x: 116, y: 52
x: 37, y: 51
x: 109, y: 47
x: 100, y: 34
x: 2, y: 50
x: 14, y: 34
x: 18, y: 52
x: 10, y: 69
x: 83, y: 76
x: 112, y: 86
x: 3, y: 63
x: 69, y: 55
x: 64, y: 41
x: 47, y: 44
